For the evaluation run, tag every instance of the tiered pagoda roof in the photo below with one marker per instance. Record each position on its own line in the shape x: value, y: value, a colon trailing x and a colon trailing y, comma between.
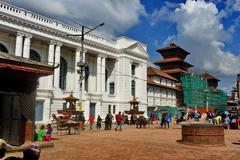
x: 173, y: 51
x: 173, y: 60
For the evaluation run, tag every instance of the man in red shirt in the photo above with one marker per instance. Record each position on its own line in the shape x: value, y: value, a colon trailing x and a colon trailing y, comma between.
x: 91, y: 121
x: 118, y: 121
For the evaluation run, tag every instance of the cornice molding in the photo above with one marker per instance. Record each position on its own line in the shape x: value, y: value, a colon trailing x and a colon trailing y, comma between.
x: 34, y: 26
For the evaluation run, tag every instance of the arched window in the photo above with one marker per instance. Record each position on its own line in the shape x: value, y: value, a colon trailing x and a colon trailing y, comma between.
x: 133, y: 88
x: 3, y: 48
x: 63, y: 74
x: 34, y: 55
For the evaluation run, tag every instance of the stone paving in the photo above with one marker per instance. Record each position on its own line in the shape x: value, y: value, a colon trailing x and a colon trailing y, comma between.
x: 151, y: 143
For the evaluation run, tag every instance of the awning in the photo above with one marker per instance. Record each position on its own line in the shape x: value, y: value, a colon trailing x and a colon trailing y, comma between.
x: 10, y: 61
x: 26, y: 69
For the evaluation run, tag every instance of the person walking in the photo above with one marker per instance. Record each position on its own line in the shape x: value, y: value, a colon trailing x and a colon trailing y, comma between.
x: 168, y: 119
x: 99, y: 121
x: 118, y: 121
x: 163, y: 120
x: 110, y: 120
x: 107, y: 122
x: 91, y: 121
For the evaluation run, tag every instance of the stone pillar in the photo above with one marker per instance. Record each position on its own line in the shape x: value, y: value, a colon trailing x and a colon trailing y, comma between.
x: 57, y: 62
x: 19, y: 43
x: 103, y: 73
x: 77, y: 76
x: 51, y: 62
x: 99, y: 64
x: 26, y: 47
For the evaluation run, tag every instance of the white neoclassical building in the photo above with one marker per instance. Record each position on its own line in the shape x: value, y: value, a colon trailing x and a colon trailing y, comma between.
x: 161, y: 89
x: 117, y: 70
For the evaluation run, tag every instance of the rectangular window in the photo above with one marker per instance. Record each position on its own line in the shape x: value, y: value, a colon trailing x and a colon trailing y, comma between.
x: 114, y: 109
x: 133, y: 69
x: 133, y: 88
x: 39, y: 111
x: 111, y: 88
x: 109, y: 109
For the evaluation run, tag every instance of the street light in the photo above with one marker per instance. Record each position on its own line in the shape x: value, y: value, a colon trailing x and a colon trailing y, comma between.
x: 81, y: 64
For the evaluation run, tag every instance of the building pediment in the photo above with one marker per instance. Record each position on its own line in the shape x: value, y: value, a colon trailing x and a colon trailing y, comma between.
x: 137, y: 49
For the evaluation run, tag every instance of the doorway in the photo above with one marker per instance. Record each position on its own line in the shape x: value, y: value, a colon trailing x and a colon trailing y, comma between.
x: 92, y: 109
x: 11, y: 121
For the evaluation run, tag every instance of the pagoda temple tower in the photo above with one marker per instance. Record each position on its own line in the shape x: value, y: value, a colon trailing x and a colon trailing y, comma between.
x: 173, y: 63
x: 173, y: 60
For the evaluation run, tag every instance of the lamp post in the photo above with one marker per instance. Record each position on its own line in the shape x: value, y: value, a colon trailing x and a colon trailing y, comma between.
x: 81, y: 64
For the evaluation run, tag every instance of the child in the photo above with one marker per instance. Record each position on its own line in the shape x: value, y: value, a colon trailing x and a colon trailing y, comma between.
x: 41, y: 134
x: 48, y: 136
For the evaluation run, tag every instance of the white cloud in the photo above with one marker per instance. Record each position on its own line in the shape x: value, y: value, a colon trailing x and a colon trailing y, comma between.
x: 169, y: 39
x: 200, y: 31
x: 118, y: 16
x: 236, y: 5
x: 161, y: 14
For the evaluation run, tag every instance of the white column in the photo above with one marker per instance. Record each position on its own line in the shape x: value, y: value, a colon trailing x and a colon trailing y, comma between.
x: 99, y: 64
x: 19, y: 42
x: 103, y: 73
x: 57, y: 62
x: 77, y: 76
x: 26, y: 47
x: 50, y: 62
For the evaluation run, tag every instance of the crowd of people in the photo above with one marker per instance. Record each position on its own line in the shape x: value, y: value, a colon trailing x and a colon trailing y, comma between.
x: 222, y: 118
x: 164, y: 119
x: 120, y: 119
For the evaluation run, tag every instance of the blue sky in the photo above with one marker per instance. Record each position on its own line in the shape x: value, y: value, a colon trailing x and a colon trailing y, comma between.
x: 208, y: 29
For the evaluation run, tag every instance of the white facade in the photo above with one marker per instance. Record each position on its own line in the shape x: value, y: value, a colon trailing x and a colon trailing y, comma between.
x: 110, y: 63
x: 161, y: 91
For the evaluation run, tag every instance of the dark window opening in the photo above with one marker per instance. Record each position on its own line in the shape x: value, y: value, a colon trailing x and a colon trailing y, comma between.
x: 133, y: 69
x: 63, y: 74
x: 114, y: 109
x: 111, y: 88
x: 3, y: 48
x: 109, y: 109
x: 35, y: 56
x: 133, y: 88
x: 106, y: 78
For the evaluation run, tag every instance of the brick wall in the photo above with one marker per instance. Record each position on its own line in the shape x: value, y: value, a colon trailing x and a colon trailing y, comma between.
x: 28, y: 131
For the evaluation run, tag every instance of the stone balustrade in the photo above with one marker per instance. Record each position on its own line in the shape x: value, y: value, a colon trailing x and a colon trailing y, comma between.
x: 48, y: 22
